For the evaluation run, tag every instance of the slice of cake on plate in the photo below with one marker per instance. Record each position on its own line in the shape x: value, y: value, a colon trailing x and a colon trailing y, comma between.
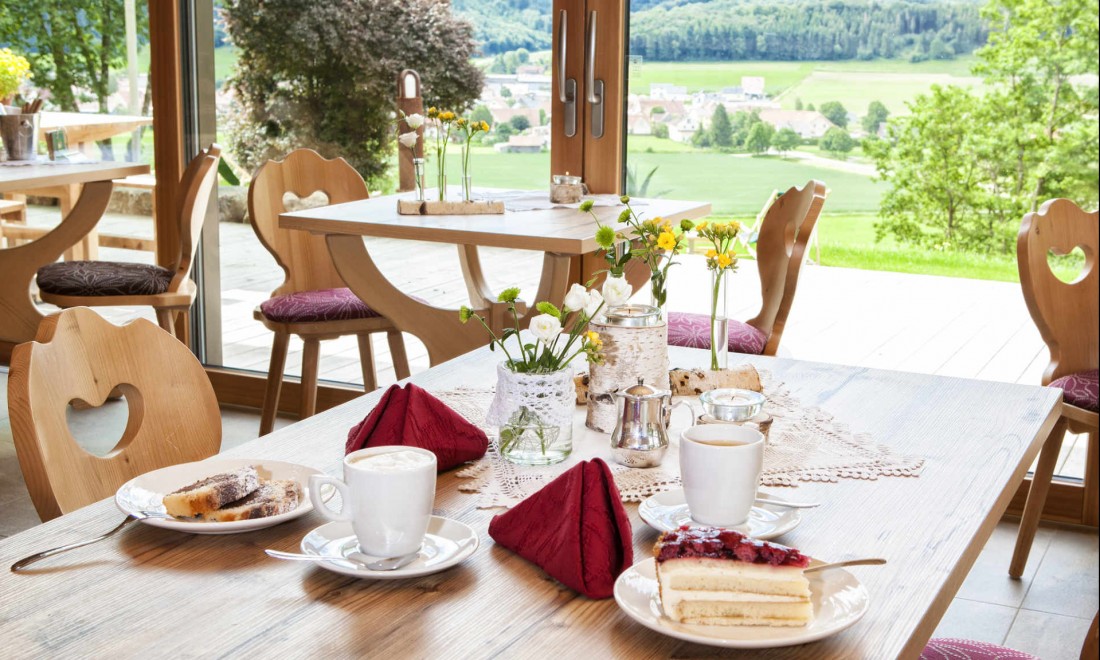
x: 270, y: 499
x: 212, y: 493
x: 720, y: 577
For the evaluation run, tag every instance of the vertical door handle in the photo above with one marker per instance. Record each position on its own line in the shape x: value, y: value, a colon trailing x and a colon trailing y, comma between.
x: 567, y: 87
x: 593, y: 86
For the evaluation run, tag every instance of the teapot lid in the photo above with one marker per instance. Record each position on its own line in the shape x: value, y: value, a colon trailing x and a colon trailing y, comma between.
x: 643, y: 391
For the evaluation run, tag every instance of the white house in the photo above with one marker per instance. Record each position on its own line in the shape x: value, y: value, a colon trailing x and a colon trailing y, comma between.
x: 807, y: 123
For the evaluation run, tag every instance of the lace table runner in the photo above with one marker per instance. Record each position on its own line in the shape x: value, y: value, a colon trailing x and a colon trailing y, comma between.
x: 805, y: 444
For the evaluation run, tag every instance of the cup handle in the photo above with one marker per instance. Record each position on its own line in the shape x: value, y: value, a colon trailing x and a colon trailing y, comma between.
x: 685, y: 404
x: 315, y: 483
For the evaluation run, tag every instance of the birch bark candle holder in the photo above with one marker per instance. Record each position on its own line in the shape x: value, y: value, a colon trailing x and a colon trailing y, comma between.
x: 635, y: 345
x: 565, y: 189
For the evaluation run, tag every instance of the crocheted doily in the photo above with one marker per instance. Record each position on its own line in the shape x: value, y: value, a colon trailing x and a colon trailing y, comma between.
x: 805, y: 444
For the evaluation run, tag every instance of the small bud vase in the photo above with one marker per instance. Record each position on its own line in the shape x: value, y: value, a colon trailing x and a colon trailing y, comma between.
x: 719, y: 320
x: 418, y: 172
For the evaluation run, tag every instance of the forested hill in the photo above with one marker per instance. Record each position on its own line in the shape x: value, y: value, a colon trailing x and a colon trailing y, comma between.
x: 755, y: 29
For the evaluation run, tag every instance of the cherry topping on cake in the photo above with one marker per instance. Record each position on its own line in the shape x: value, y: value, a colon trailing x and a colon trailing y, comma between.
x: 716, y: 543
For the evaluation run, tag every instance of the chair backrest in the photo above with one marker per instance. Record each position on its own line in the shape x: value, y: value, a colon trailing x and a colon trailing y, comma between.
x: 199, y: 179
x: 303, y: 256
x: 1067, y: 314
x: 77, y: 355
x: 780, y: 251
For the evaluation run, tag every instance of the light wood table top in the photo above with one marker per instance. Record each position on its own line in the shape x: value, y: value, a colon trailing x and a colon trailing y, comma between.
x: 83, y: 127
x: 565, y: 231
x: 19, y: 178
x: 155, y: 593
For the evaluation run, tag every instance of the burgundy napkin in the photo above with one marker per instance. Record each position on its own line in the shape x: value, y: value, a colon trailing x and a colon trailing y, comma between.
x: 575, y: 528
x: 411, y: 416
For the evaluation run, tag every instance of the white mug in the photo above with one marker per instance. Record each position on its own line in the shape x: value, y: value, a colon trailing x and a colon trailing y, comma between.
x: 720, y: 466
x: 387, y: 495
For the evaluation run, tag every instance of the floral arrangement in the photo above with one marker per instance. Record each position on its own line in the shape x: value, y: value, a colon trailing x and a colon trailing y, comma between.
x: 410, y: 140
x: 721, y: 259
x: 469, y: 128
x: 14, y: 71
x: 444, y: 122
x: 655, y: 242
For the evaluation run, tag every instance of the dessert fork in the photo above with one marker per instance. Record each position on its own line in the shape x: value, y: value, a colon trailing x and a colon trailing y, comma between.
x: 38, y: 556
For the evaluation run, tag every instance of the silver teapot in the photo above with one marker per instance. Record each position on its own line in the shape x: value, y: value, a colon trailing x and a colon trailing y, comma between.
x: 640, y: 439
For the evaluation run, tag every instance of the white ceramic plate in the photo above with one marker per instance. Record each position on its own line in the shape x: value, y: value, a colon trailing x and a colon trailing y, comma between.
x: 838, y: 597
x: 666, y: 512
x: 447, y: 543
x: 146, y: 493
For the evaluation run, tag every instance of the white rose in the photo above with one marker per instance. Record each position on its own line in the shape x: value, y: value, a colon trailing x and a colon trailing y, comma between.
x: 616, y: 291
x: 593, y: 303
x: 414, y: 121
x: 576, y: 298
x: 546, y: 328
x: 408, y: 139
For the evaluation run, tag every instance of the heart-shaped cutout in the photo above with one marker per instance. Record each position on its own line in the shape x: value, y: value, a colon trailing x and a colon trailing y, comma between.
x: 1070, y: 267
x: 292, y: 202
x: 106, y: 428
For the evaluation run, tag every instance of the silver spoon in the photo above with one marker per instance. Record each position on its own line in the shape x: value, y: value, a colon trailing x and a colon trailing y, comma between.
x: 850, y: 562
x: 38, y: 556
x: 789, y: 505
x: 388, y: 564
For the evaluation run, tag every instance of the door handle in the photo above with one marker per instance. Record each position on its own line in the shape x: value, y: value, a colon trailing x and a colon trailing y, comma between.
x: 593, y: 87
x: 567, y: 87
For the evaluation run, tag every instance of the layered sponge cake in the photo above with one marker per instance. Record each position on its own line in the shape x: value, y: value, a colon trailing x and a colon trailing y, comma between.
x: 212, y: 493
x: 720, y: 577
x: 270, y: 499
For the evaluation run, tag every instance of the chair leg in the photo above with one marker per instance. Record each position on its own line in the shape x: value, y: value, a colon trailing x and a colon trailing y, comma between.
x: 183, y: 327
x: 397, y: 352
x: 1036, y: 497
x: 164, y: 320
x: 310, y: 359
x: 274, y: 382
x: 366, y: 362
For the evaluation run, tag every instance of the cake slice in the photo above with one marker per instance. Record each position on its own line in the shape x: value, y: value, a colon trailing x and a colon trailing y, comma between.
x: 713, y: 576
x: 212, y: 493
x: 270, y: 499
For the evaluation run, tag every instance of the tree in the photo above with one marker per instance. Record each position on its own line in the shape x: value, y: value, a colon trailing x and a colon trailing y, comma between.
x: 835, y: 112
x: 759, y: 138
x: 320, y: 74
x: 875, y: 117
x: 721, y: 132
x: 837, y: 141
x: 798, y: 103
x: 700, y: 139
x: 481, y: 113
x: 940, y: 49
x: 72, y: 45
x: 810, y: 106
x: 660, y: 130
x: 520, y: 122
x: 786, y: 140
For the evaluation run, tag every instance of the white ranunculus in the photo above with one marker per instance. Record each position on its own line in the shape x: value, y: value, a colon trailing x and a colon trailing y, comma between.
x: 414, y: 121
x: 546, y: 328
x: 593, y: 303
x: 576, y: 298
x: 616, y: 291
x: 408, y: 139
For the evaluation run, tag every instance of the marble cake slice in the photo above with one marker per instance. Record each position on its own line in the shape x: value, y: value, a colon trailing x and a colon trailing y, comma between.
x: 270, y: 499
x: 212, y: 493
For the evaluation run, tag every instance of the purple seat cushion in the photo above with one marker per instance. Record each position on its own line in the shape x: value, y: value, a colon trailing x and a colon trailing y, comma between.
x: 966, y: 649
x: 316, y: 306
x: 1081, y: 389
x: 693, y: 331
x: 103, y: 278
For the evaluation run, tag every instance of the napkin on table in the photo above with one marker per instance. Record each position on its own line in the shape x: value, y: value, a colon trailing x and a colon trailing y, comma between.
x: 575, y: 528
x: 412, y: 417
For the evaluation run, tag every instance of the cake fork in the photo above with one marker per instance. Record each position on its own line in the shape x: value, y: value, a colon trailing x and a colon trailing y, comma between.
x: 38, y: 556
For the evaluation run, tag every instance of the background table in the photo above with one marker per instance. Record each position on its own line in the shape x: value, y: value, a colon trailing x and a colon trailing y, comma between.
x: 18, y: 265
x: 151, y: 592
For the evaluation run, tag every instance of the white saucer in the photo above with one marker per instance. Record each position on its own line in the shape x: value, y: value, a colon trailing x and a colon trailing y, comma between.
x: 447, y: 543
x: 838, y: 597
x: 667, y: 512
x: 146, y: 493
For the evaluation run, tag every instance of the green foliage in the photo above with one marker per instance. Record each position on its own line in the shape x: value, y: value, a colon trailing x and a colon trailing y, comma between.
x: 506, y: 25
x: 721, y: 131
x: 660, y: 130
x: 72, y: 44
x: 510, y: 61
x: 701, y: 138
x: 520, y: 123
x: 798, y: 103
x: 875, y: 117
x: 481, y: 113
x: 835, y: 112
x: 759, y: 137
x: 786, y: 139
x: 320, y: 75
x: 635, y: 188
x: 837, y: 141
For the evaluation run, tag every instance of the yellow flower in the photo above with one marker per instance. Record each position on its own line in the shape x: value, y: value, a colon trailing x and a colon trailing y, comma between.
x: 594, y: 338
x: 461, y: 121
x: 446, y: 116
x: 711, y: 254
x: 433, y: 112
x: 735, y: 224
x: 701, y: 227
x: 666, y: 241
x: 485, y: 126
x: 724, y: 260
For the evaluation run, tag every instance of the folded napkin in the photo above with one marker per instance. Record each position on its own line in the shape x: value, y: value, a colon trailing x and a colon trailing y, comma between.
x: 412, y: 417
x: 575, y: 528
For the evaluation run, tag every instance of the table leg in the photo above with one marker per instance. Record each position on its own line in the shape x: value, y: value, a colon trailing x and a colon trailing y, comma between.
x: 18, y: 265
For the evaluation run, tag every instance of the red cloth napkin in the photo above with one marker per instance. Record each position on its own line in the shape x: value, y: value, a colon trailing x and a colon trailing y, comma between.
x: 411, y: 416
x: 575, y: 528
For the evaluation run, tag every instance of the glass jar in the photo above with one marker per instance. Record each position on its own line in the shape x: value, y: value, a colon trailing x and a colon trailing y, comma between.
x: 533, y: 414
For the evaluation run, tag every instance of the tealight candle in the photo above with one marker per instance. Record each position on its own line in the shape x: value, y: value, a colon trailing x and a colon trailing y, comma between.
x: 566, y: 189
x: 732, y: 405
x: 633, y: 316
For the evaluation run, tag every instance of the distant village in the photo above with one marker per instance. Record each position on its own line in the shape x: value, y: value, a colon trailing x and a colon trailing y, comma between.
x: 666, y: 110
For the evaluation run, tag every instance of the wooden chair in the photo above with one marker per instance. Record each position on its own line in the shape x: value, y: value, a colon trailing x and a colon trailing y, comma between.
x: 1068, y: 318
x: 170, y: 291
x: 79, y: 357
x: 780, y: 251
x: 313, y: 302
x: 952, y: 649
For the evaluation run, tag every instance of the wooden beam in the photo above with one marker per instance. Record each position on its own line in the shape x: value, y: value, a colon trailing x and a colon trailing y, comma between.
x: 168, y: 158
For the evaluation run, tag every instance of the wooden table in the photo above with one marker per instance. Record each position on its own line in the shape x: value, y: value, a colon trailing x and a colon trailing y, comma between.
x: 84, y: 127
x: 18, y: 265
x: 155, y: 593
x: 560, y: 234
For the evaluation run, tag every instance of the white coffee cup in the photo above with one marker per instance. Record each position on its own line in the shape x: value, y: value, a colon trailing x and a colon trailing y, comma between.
x: 720, y: 466
x: 387, y: 495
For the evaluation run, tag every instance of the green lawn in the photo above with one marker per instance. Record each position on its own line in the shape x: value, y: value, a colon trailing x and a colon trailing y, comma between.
x: 713, y: 76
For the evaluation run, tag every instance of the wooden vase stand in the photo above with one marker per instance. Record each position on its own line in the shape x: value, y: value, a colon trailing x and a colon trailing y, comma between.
x: 430, y: 207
